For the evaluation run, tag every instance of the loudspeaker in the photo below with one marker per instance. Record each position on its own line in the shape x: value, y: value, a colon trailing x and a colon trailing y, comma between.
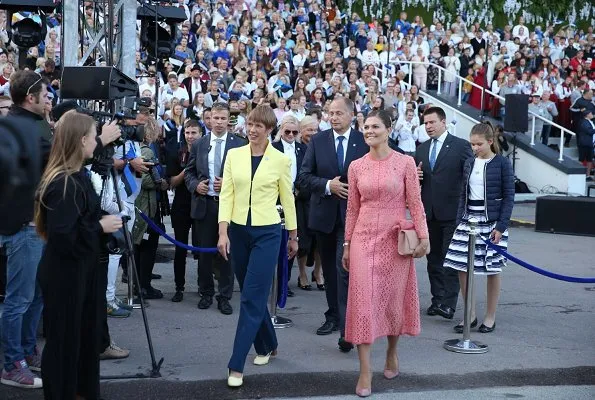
x: 516, y: 116
x: 567, y: 215
x: 96, y: 83
x: 171, y: 15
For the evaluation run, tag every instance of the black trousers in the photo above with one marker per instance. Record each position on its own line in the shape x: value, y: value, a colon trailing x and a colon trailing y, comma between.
x: 336, y: 279
x: 70, y: 360
x: 181, y: 222
x: 207, y: 231
x: 146, y: 253
x: 104, y: 340
x: 444, y: 282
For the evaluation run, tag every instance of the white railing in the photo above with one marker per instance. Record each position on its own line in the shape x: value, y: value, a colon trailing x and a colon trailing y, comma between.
x: 460, y: 81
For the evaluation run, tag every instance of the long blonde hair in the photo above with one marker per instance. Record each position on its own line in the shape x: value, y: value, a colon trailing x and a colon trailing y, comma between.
x: 66, y: 158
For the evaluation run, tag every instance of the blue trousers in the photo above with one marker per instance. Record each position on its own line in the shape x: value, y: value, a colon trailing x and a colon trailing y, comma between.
x: 254, y: 253
x: 23, y: 303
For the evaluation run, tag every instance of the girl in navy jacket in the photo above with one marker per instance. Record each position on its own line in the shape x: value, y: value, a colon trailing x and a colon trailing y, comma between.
x: 487, y: 196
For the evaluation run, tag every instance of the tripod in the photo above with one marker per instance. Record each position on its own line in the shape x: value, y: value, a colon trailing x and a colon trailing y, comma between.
x: 133, y: 277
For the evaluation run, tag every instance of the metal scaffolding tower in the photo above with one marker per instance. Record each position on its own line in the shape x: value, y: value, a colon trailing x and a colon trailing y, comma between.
x: 107, y: 33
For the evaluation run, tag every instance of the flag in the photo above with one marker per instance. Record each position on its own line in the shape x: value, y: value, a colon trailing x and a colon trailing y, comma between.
x: 128, y: 177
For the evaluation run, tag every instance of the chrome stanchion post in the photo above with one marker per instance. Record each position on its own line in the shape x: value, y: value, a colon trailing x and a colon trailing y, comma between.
x: 467, y: 346
x: 278, y: 322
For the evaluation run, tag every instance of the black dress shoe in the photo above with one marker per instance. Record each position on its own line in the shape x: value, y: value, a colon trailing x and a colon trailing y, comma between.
x: 290, y: 293
x: 224, y: 306
x: 459, y: 328
x: 151, y: 293
x: 445, y: 311
x: 344, y: 345
x: 205, y: 302
x: 178, y: 297
x: 319, y: 286
x: 155, y: 276
x: 432, y: 310
x: 486, y: 329
x: 327, y: 328
x: 304, y: 287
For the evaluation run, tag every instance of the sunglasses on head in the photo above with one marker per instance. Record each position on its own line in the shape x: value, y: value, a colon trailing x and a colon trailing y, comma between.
x: 287, y: 132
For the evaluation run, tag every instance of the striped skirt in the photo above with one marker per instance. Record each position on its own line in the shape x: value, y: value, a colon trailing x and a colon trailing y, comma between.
x: 487, y: 261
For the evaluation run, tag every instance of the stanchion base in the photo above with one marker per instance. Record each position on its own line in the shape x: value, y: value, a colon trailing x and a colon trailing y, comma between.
x: 281, y: 322
x: 465, y: 346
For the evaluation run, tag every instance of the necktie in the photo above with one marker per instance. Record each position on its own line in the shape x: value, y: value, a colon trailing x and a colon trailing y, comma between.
x: 217, y: 168
x: 340, y: 153
x: 433, y: 154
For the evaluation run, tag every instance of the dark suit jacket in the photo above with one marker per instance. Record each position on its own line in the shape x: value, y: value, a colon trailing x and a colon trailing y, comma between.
x: 441, y: 188
x: 300, y: 152
x: 197, y: 169
x: 319, y: 166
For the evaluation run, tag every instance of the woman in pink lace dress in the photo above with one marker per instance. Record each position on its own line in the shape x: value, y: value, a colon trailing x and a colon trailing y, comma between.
x: 383, y: 298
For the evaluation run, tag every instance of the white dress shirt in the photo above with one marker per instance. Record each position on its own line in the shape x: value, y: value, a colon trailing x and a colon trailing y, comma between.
x: 438, y: 143
x: 327, y: 190
x: 195, y: 87
x: 289, y: 151
x: 211, y: 158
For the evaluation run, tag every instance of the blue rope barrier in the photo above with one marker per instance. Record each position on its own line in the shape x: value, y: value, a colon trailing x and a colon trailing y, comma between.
x: 157, y: 229
x: 533, y: 268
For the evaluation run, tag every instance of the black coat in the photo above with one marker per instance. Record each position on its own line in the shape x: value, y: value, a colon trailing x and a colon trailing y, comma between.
x: 319, y: 166
x: 441, y: 187
x: 498, y: 191
x: 584, y: 134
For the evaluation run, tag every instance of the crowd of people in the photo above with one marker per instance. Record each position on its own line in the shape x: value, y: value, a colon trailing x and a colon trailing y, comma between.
x: 247, y: 81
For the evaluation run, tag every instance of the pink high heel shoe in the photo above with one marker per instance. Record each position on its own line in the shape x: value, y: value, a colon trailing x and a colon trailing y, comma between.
x: 388, y: 374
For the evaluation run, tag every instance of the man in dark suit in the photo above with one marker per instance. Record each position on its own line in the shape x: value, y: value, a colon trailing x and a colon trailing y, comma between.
x: 324, y: 174
x: 203, y: 177
x: 295, y: 151
x: 440, y: 169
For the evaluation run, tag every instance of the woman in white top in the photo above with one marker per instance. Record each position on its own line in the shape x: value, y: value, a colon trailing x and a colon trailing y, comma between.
x: 453, y: 65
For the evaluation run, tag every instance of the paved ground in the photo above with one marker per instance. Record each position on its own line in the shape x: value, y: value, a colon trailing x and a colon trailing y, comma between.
x: 544, y: 338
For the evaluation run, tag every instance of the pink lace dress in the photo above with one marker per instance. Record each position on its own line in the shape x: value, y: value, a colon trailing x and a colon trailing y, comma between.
x: 383, y: 298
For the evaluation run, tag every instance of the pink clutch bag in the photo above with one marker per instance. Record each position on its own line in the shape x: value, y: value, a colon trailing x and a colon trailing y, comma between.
x: 407, y: 238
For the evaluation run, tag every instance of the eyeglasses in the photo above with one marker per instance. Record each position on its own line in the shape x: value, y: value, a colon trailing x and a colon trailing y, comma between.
x: 294, y: 133
x: 31, y: 87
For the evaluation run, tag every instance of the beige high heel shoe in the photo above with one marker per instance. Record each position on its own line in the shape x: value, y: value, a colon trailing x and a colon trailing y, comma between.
x: 264, y: 360
x: 234, y: 381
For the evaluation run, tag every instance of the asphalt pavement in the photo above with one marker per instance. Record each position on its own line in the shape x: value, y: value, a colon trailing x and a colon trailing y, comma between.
x: 542, y: 346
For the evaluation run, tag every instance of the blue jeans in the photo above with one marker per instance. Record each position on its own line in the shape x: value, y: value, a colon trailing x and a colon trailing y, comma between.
x: 23, y: 303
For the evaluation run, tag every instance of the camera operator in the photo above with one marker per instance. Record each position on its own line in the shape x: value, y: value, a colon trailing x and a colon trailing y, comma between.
x: 68, y: 216
x: 129, y: 165
x: 148, y: 201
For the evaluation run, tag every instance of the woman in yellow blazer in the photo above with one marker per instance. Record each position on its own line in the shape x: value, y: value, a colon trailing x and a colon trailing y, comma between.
x: 255, y: 176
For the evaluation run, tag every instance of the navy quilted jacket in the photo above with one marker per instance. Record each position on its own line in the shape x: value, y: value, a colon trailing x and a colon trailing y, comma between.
x: 498, y: 191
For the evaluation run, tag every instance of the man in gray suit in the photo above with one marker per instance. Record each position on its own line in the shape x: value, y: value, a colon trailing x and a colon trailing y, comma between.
x: 203, y: 177
x: 440, y: 168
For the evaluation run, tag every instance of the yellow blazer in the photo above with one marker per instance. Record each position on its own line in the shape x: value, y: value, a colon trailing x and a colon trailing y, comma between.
x: 240, y: 192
